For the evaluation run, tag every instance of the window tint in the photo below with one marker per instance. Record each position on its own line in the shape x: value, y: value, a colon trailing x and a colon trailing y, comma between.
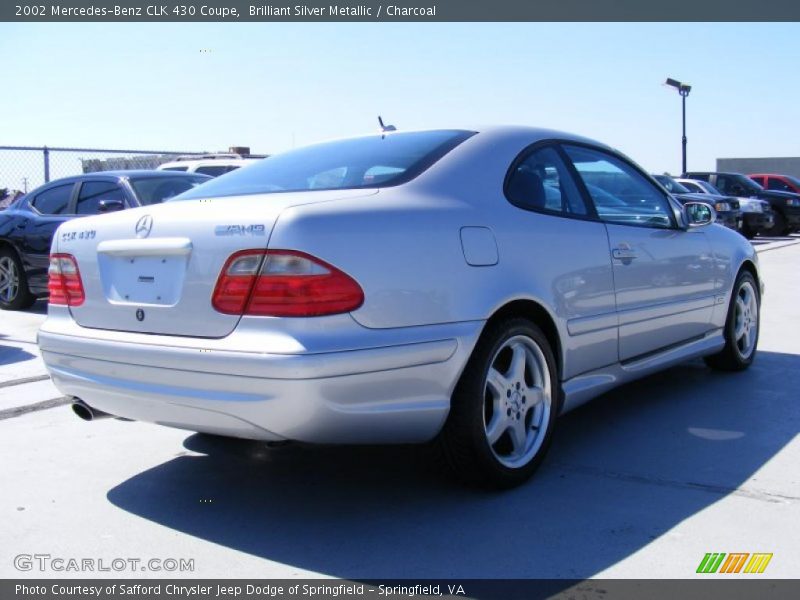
x: 542, y: 182
x: 692, y: 187
x: 620, y: 193
x: 92, y: 192
x: 213, y: 170
x: 174, y: 168
x: 672, y: 186
x: 777, y: 184
x: 408, y: 153
x: 154, y: 190
x: 737, y: 185
x: 53, y: 201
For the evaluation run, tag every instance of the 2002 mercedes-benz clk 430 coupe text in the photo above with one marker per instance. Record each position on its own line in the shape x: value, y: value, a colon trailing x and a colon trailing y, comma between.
x: 466, y: 286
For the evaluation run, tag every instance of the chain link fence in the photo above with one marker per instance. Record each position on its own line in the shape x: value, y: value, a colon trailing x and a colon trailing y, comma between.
x: 23, y: 168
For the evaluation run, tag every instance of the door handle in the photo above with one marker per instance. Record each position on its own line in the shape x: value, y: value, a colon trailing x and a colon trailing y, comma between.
x: 624, y: 252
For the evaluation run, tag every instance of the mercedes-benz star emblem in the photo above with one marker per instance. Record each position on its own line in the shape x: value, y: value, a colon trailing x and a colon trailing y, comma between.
x: 143, y: 226
x: 139, y: 314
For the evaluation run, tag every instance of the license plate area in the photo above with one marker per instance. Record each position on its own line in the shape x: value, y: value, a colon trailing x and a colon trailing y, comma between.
x: 143, y: 280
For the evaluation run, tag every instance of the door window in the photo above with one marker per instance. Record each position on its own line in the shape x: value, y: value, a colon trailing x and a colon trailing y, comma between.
x: 620, y: 193
x: 92, y: 192
x: 777, y: 184
x: 542, y: 182
x: 54, y: 201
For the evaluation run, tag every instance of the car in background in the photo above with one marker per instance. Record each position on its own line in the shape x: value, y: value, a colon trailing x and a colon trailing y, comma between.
x: 779, y: 183
x: 727, y: 208
x: 213, y: 165
x: 757, y: 215
x: 455, y: 284
x: 785, y: 205
x: 27, y: 226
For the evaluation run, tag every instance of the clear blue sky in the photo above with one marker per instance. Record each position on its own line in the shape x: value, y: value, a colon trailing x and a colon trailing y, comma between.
x: 272, y: 86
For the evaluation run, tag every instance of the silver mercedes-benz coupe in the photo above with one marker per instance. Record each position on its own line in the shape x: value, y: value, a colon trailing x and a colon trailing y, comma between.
x: 460, y: 286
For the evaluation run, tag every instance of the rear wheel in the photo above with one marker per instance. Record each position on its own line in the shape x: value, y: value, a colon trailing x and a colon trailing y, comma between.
x: 504, y: 407
x: 14, y: 292
x: 741, y: 327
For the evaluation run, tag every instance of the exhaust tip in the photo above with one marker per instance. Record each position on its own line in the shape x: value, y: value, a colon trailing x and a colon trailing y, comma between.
x: 82, y: 410
x: 86, y: 412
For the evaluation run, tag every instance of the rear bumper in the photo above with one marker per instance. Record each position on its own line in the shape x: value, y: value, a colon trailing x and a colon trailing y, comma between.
x: 373, y: 394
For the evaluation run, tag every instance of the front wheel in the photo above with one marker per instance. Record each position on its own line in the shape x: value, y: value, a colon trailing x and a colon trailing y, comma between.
x: 741, y: 327
x: 504, y: 407
x: 748, y: 232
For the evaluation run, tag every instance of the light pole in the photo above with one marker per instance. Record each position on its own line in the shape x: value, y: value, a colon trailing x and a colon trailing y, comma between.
x: 683, y: 90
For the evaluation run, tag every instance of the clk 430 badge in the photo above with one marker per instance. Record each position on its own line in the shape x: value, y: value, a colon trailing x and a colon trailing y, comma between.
x: 69, y: 236
x: 240, y: 230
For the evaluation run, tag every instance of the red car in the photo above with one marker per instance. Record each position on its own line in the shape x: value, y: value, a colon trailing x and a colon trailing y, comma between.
x: 780, y: 183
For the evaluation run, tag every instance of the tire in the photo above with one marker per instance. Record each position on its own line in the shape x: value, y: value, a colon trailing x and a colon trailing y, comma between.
x: 14, y: 292
x: 741, y: 327
x: 748, y: 232
x: 508, y: 393
x: 779, y: 227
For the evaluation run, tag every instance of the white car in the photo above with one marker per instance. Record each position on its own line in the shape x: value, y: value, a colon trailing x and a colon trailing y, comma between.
x: 210, y: 164
x: 462, y: 285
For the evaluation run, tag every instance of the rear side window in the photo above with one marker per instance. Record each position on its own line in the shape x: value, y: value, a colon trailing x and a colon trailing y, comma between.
x: 174, y: 168
x: 154, y: 190
x: 541, y: 181
x: 620, y: 193
x: 92, y: 192
x: 366, y: 162
x: 54, y: 201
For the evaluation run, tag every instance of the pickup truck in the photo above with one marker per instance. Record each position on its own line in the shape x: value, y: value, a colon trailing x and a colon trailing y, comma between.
x: 785, y: 204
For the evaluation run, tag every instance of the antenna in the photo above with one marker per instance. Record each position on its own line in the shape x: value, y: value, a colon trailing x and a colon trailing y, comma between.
x: 385, y: 128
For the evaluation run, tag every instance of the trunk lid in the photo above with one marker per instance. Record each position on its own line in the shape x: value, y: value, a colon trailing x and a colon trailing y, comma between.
x: 153, y: 269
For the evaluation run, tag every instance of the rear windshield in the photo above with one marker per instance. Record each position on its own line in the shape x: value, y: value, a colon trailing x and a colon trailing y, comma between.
x: 672, y: 186
x: 366, y: 162
x: 154, y: 190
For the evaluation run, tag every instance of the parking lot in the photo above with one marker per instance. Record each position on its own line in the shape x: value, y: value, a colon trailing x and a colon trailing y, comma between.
x: 640, y: 483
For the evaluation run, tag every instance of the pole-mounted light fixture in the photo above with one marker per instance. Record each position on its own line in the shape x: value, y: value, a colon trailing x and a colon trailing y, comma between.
x: 683, y: 90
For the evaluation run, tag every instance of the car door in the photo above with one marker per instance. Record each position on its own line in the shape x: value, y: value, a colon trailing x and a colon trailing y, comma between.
x: 50, y: 208
x: 663, y: 275
x: 556, y: 245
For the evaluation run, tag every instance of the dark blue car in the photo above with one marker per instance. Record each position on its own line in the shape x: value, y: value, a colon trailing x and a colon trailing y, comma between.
x: 28, y: 224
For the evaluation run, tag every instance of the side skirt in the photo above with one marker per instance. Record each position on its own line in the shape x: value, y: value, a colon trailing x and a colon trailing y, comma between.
x: 582, y: 388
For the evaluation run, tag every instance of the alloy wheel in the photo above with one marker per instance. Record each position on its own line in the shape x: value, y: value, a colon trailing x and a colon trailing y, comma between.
x: 9, y: 279
x: 517, y: 401
x: 746, y: 319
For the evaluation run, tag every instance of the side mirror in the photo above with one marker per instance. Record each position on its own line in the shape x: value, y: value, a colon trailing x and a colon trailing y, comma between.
x: 697, y: 214
x: 110, y: 205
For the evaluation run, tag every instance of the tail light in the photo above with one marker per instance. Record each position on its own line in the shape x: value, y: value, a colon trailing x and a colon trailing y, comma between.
x: 284, y: 283
x: 64, y: 281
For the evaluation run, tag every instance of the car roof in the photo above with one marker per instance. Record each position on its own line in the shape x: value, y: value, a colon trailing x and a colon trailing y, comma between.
x: 120, y: 174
